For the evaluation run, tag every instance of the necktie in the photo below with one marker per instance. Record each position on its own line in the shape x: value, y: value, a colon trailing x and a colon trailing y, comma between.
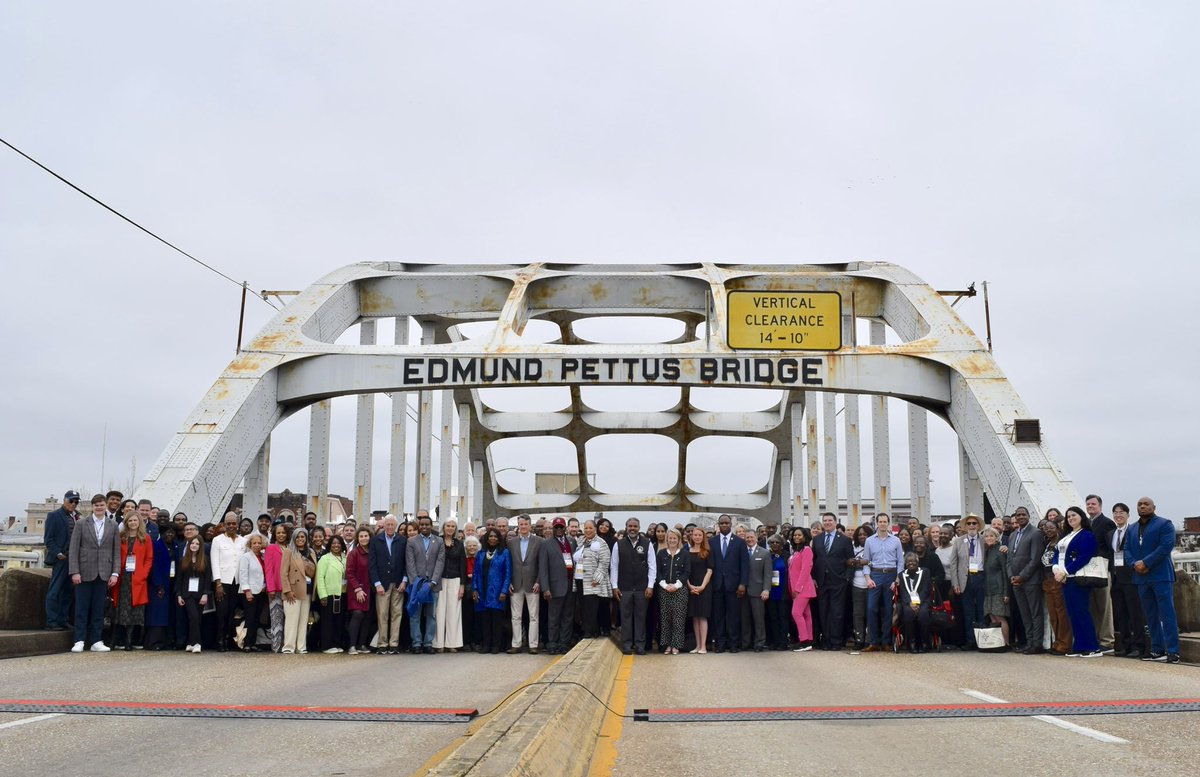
x: 971, y: 542
x: 1121, y: 538
x: 1017, y: 539
x: 724, y: 544
x: 828, y: 542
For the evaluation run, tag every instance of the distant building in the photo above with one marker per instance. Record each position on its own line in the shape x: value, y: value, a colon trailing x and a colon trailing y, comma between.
x: 35, y: 515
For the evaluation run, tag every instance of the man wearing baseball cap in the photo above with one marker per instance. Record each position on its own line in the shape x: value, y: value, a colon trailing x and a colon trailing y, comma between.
x: 59, y: 597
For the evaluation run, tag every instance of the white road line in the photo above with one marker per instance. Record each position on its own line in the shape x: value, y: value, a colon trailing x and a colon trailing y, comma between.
x: 34, y: 719
x: 1053, y: 721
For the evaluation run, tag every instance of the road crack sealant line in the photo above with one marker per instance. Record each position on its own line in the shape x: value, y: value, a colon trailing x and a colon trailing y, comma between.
x: 260, y: 712
x: 915, y: 711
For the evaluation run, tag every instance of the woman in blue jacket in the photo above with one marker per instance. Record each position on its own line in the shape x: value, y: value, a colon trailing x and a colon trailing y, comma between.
x: 1074, y: 551
x: 493, y: 575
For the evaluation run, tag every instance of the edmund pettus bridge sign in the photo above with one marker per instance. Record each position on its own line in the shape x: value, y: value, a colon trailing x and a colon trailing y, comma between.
x: 790, y: 328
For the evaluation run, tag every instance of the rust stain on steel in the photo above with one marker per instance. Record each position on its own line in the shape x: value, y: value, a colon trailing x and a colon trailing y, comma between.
x: 268, y: 341
x: 598, y: 291
x: 371, y: 300
x: 202, y: 428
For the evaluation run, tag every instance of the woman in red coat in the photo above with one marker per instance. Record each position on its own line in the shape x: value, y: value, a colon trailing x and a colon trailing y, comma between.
x: 359, y: 592
x: 801, y: 584
x: 131, y: 593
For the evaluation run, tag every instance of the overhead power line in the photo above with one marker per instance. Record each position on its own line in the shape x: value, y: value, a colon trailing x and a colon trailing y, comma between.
x: 128, y: 220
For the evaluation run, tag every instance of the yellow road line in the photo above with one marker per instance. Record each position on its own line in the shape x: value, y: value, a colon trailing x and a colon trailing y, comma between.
x: 604, y: 758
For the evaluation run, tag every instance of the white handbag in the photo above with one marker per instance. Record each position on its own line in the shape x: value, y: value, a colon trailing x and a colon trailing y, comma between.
x: 1093, y: 574
x: 991, y: 638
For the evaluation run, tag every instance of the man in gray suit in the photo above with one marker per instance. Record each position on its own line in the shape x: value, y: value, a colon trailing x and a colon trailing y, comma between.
x: 1025, y: 547
x: 758, y: 588
x: 94, y: 564
x: 424, y: 556
x: 556, y: 575
x: 526, y: 589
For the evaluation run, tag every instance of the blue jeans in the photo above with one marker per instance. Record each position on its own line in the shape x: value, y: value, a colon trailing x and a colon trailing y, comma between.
x: 881, y: 594
x: 58, y: 596
x: 972, y: 604
x: 89, y: 610
x: 427, y: 614
x: 1159, y: 609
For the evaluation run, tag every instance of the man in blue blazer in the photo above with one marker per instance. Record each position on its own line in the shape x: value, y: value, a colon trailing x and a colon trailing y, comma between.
x: 1148, y: 549
x: 385, y: 564
x: 57, y: 536
x: 730, y: 575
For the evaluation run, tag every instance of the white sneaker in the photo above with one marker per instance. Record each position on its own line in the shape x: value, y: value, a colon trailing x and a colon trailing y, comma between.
x: 77, y: 647
x: 331, y: 651
x: 196, y: 648
x: 187, y: 649
x: 100, y: 647
x: 352, y: 652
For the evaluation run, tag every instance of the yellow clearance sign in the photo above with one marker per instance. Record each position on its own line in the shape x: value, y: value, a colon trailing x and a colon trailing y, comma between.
x: 785, y: 320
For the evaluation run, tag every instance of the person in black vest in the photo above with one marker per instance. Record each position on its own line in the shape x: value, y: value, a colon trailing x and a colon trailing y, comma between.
x: 633, y: 572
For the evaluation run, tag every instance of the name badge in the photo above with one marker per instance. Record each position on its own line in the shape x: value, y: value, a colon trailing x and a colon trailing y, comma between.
x: 172, y: 569
x: 568, y: 560
x: 916, y: 600
x: 641, y: 551
x: 1119, y: 559
x: 775, y: 578
x: 194, y: 585
x: 973, y: 566
x: 130, y: 563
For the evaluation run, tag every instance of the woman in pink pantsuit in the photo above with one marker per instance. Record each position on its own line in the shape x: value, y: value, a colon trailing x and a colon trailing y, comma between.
x: 801, y: 584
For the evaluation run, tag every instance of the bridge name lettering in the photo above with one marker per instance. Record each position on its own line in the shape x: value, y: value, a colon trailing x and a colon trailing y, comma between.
x: 716, y: 370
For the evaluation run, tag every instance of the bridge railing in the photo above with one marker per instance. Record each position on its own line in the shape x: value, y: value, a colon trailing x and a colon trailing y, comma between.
x: 1187, y: 564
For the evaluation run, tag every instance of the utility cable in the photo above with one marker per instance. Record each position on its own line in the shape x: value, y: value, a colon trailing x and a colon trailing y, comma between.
x: 125, y: 218
x: 603, y: 703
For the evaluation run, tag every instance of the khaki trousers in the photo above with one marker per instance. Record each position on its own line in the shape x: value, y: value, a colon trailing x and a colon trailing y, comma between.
x: 389, y: 609
x: 295, y: 625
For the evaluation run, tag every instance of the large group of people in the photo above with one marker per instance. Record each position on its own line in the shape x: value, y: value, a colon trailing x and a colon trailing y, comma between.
x: 1078, y: 583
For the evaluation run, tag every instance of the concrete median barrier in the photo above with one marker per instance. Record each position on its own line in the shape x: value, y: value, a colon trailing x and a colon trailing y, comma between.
x: 548, y: 728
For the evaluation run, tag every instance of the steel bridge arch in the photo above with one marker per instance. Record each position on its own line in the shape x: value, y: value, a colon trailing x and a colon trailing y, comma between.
x: 295, y: 362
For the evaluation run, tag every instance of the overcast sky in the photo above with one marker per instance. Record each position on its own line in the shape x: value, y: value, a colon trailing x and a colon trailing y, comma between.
x: 1049, y: 149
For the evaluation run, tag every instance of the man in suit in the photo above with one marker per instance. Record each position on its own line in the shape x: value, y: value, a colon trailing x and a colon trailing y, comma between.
x: 1100, y: 601
x: 833, y: 572
x: 632, y: 571
x: 1148, y: 547
x: 556, y: 573
x: 969, y: 583
x: 758, y: 590
x: 1129, y: 624
x: 1025, y: 548
x: 385, y: 564
x: 57, y: 536
x: 730, y: 575
x: 525, y: 590
x: 425, y: 556
x: 93, y: 559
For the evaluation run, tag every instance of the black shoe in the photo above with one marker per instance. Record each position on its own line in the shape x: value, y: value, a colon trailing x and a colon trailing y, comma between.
x: 627, y: 651
x: 1173, y: 658
x: 735, y: 650
x: 427, y: 651
x: 1133, y: 653
x: 640, y: 651
x: 414, y: 650
x: 1155, y: 657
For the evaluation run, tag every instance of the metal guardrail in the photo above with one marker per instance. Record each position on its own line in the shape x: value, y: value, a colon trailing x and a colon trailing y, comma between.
x: 1187, y: 564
